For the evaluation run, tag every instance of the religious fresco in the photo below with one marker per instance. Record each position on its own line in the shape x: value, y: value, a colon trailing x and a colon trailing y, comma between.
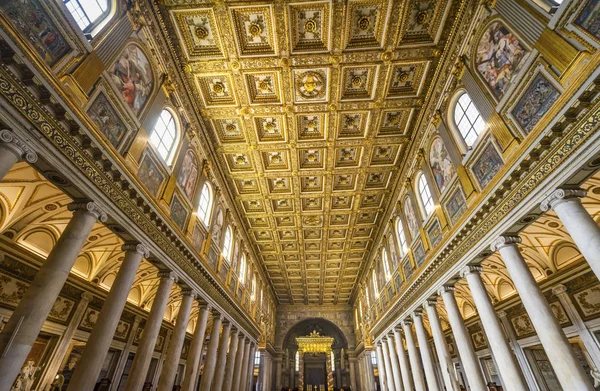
x: 456, y: 205
x: 198, y: 237
x: 105, y: 116
x: 440, y: 163
x: 179, y: 213
x: 434, y: 232
x: 500, y: 55
x: 70, y: 362
x: 589, y: 18
x: 411, y: 218
x: 188, y: 174
x: 149, y: 173
x: 217, y: 225
x: 32, y: 21
x: 535, y: 103
x: 132, y: 75
x: 487, y: 165
x: 478, y: 339
x: 419, y: 253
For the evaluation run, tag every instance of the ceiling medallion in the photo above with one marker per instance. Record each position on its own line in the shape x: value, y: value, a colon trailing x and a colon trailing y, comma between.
x: 310, y: 26
x: 364, y: 22
x: 402, y: 77
x: 280, y: 183
x: 201, y: 32
x: 311, y: 157
x: 218, y: 88
x: 311, y: 123
x: 276, y: 158
x: 264, y: 86
x: 230, y: 128
x: 310, y: 85
x: 255, y: 29
x: 422, y: 17
x: 350, y: 121
x: 240, y: 159
x: 357, y: 81
x: 269, y: 126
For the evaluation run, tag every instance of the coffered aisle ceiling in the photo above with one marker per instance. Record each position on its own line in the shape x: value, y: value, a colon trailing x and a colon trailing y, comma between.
x: 310, y: 107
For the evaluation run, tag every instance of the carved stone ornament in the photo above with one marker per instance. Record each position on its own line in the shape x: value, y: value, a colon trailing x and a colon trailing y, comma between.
x: 18, y: 146
x: 559, y: 196
x: 470, y: 269
x: 417, y: 313
x: 445, y: 289
x: 430, y: 303
x: 168, y: 275
x: 189, y: 292
x: 559, y: 290
x: 89, y: 207
x: 137, y: 247
x: 504, y: 240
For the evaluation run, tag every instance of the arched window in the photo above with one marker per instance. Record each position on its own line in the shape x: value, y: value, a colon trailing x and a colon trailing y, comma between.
x: 367, y: 297
x: 253, y: 289
x: 401, y: 237
x: 332, y: 361
x: 242, y: 273
x: 297, y: 361
x: 467, y: 119
x: 386, y: 265
x: 375, y: 285
x: 88, y: 13
x: 227, y: 244
x: 165, y: 136
x: 425, y: 195
x: 205, y: 204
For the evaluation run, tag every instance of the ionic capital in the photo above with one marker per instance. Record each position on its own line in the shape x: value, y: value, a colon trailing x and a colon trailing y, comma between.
x: 136, y: 247
x: 559, y: 196
x: 559, y: 290
x: 88, y: 207
x: 470, y: 269
x: 417, y: 313
x: 87, y: 296
x: 204, y: 307
x: 501, y: 313
x: 188, y: 292
x: 430, y: 303
x: 18, y: 146
x: 168, y: 275
x: 446, y: 289
x: 503, y: 241
x: 406, y: 322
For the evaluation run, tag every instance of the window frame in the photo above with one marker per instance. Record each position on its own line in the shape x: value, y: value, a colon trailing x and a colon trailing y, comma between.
x: 96, y: 25
x: 206, y: 216
x: 172, y: 151
x: 401, y: 239
x: 427, y: 208
x: 242, y: 271
x: 227, y: 245
x: 464, y: 147
x: 375, y: 284
x: 386, y: 266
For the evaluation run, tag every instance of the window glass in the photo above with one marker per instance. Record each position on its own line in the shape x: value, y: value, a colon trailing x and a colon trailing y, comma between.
x: 227, y: 241
x: 375, y: 285
x: 87, y: 12
x: 243, y: 269
x: 468, y: 120
x: 401, y: 237
x: 386, y: 265
x: 205, y: 204
x: 257, y: 359
x: 297, y: 361
x: 425, y: 194
x: 373, y: 358
x: 164, y: 136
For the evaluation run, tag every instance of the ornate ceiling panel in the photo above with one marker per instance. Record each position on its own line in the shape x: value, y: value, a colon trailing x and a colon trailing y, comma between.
x: 310, y: 106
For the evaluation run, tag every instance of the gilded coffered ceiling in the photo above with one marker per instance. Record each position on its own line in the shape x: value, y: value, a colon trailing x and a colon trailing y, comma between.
x: 311, y: 108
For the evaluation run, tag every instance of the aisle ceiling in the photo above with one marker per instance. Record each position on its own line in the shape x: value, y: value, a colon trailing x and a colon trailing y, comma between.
x: 310, y: 106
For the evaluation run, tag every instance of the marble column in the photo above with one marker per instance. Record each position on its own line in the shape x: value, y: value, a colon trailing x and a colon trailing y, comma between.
x: 426, y: 358
x: 394, y: 364
x: 90, y: 364
x: 407, y: 379
x: 64, y: 342
x: 161, y: 360
x: 250, y: 368
x: 389, y: 371
x: 210, y: 362
x: 503, y: 356
x: 231, y: 358
x: 370, y: 371
x: 27, y: 319
x: 352, y: 372
x: 579, y: 224
x: 468, y: 358
x: 192, y: 365
x: 169, y: 369
x: 243, y: 366
x: 278, y: 369
x: 381, y: 368
x: 568, y: 370
x: 116, y: 379
x: 441, y: 347
x: 12, y: 149
x: 413, y: 356
x: 143, y: 355
x: 243, y: 345
x: 588, y: 339
x: 222, y: 357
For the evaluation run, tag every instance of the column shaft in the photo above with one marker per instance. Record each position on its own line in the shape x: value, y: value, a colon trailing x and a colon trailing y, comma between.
x: 169, y: 370
x: 441, y: 347
x: 143, y: 355
x: 395, y: 365
x: 27, y: 319
x: 389, y: 371
x: 407, y: 379
x: 428, y: 365
x: 413, y: 356
x: 233, y: 348
x: 507, y: 366
x: 352, y: 373
x: 463, y: 341
x: 192, y: 364
x: 12, y: 149
x: 210, y: 363
x: 222, y: 357
x: 243, y: 345
x: 90, y: 364
x: 579, y: 224
x: 250, y: 369
x: 370, y: 371
x: 244, y: 367
x: 563, y: 360
x: 116, y: 379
